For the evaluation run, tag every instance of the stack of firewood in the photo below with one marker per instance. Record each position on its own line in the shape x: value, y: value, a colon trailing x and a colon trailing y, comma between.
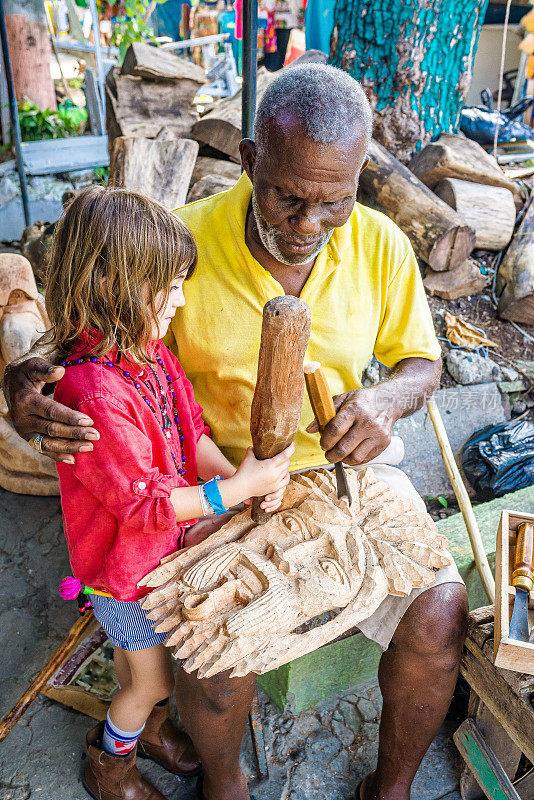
x: 452, y: 197
x: 471, y: 182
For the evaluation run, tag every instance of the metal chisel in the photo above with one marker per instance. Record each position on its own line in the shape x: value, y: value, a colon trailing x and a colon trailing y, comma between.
x: 523, y: 581
x: 324, y: 410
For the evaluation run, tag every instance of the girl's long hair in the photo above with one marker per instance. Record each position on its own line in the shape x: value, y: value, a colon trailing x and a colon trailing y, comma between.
x: 114, y: 252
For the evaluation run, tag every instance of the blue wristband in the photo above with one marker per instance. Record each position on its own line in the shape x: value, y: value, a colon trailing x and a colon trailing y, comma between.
x: 213, y: 495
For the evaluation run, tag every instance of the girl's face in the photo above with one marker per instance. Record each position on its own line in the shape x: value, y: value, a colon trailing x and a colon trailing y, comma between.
x: 167, y: 310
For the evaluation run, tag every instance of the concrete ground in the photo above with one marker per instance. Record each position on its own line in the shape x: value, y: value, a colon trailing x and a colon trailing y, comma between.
x: 320, y: 754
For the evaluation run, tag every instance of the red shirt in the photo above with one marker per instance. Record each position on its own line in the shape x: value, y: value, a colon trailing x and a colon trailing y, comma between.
x: 118, y: 517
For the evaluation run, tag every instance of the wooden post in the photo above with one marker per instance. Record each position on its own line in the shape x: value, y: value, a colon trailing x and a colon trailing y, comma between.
x: 277, y: 401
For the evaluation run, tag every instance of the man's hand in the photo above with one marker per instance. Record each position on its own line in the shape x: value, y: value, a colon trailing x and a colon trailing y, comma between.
x: 364, y: 420
x: 65, y: 431
x: 361, y: 429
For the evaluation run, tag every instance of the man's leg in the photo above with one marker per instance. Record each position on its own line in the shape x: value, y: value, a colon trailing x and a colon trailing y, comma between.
x: 417, y: 676
x: 214, y: 712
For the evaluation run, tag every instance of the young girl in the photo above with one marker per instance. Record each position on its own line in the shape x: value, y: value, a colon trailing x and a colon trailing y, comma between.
x: 115, y: 281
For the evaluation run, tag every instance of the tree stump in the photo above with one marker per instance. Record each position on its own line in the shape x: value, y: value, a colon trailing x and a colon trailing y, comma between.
x: 161, y: 170
x: 438, y: 235
x: 515, y: 279
x: 489, y: 210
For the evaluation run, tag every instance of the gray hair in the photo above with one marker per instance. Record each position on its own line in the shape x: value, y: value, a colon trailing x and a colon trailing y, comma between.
x: 327, y: 101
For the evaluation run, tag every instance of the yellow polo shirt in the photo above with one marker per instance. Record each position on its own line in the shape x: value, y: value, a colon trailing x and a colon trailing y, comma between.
x: 365, y: 293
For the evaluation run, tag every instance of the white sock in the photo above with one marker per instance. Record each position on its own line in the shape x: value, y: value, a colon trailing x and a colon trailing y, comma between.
x: 118, y: 742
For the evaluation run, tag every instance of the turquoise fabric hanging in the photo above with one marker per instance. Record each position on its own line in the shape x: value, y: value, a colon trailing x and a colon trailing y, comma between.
x: 319, y: 21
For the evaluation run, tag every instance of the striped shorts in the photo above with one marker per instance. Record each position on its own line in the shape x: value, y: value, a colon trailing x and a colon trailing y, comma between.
x: 125, y: 623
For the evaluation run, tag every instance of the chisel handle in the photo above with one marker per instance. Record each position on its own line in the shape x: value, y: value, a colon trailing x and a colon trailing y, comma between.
x: 523, y: 575
x: 319, y: 393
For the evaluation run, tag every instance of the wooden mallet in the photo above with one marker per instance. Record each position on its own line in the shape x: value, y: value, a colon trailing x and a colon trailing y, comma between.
x: 277, y: 401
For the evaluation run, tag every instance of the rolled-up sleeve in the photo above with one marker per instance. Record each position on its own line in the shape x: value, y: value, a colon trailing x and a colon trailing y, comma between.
x: 120, y: 470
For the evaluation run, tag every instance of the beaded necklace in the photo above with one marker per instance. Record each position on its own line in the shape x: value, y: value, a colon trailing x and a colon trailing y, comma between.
x: 161, y: 402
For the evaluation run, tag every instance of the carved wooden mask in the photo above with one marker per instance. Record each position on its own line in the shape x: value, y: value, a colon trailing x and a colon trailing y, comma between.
x: 250, y: 598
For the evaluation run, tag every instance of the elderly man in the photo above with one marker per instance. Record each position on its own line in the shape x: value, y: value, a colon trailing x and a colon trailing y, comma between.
x: 291, y: 226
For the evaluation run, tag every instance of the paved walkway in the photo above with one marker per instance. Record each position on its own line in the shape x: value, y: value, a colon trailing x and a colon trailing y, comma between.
x: 318, y: 755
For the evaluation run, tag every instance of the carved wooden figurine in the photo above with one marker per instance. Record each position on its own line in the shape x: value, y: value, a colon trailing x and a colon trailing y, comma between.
x: 242, y: 599
x: 23, y: 320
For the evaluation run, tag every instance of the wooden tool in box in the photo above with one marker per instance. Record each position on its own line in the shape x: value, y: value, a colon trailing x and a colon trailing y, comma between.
x: 508, y: 652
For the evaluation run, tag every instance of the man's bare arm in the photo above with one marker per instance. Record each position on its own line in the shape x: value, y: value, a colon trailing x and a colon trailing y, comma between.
x: 362, y: 427
x: 64, y: 431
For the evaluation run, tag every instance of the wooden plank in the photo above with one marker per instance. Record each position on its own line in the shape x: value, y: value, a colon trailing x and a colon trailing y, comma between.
x: 5, y: 119
x: 525, y: 786
x: 491, y: 777
x: 144, y: 61
x: 514, y: 714
x: 92, y: 101
x: 507, y: 753
x: 74, y: 23
x: 65, y: 155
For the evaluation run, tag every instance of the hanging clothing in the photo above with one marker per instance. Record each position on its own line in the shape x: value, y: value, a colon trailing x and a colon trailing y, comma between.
x: 319, y: 22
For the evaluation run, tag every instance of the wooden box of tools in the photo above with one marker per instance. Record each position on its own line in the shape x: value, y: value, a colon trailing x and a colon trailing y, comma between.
x: 509, y: 653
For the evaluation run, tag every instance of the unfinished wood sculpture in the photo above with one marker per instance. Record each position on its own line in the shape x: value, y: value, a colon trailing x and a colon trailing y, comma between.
x: 23, y: 320
x: 244, y: 598
x: 277, y: 402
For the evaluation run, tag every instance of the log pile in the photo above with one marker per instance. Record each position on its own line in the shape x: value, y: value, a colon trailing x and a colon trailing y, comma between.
x: 152, y: 95
x: 451, y: 198
x: 469, y: 180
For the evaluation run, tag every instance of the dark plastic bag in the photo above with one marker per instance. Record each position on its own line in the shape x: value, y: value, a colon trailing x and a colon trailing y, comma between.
x: 479, y: 123
x: 500, y: 458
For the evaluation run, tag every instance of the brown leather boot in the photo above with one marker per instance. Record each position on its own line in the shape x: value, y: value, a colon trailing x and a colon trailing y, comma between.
x: 161, y: 742
x: 109, y: 777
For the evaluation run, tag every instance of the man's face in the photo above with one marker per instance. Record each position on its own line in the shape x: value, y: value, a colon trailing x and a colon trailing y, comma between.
x: 302, y: 190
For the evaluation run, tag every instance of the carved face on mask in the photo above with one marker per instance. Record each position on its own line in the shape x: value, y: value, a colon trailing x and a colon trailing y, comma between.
x: 250, y: 598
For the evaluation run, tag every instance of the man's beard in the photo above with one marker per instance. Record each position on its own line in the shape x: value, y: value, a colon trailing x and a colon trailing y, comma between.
x: 270, y: 237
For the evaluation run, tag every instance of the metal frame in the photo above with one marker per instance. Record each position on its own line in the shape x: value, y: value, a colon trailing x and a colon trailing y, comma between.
x: 250, y: 66
x: 15, y: 124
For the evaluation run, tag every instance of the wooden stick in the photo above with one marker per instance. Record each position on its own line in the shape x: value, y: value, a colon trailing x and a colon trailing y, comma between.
x: 464, y: 502
x: 277, y: 402
x: 47, y: 671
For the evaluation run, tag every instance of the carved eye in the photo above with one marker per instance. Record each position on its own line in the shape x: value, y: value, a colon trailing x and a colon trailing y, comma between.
x: 291, y: 522
x: 334, y: 570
